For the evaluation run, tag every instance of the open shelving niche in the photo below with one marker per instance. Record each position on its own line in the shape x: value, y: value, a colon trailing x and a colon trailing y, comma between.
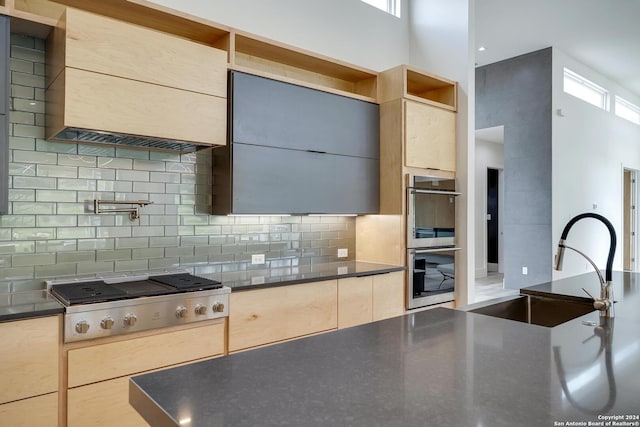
x: 410, y: 83
x: 275, y: 60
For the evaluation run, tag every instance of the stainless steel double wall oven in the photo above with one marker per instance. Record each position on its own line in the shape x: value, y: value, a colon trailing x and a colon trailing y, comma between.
x: 431, y: 240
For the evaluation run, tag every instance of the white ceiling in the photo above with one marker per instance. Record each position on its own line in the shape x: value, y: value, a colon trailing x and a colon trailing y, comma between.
x: 603, y: 34
x: 494, y: 134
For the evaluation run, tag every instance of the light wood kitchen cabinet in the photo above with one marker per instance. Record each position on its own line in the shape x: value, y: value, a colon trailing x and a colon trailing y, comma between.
x: 368, y: 299
x: 29, y: 364
x: 388, y: 295
x: 39, y: 411
x: 269, y: 315
x: 355, y: 301
x: 114, y: 77
x: 102, y: 404
x: 417, y: 130
x: 29, y: 358
x: 430, y: 137
x: 98, y: 374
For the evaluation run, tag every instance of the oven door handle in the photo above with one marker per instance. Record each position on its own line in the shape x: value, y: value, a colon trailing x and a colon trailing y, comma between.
x: 425, y: 251
x: 421, y: 191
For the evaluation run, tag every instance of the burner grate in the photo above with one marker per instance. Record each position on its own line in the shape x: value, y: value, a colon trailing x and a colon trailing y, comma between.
x: 186, y: 282
x: 87, y: 292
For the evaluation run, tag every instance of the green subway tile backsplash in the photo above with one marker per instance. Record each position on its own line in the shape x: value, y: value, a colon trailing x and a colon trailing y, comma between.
x: 52, y: 232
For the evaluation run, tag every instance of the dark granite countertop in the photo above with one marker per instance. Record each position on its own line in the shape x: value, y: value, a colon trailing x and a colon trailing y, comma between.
x: 255, y: 279
x: 437, y: 367
x: 23, y: 305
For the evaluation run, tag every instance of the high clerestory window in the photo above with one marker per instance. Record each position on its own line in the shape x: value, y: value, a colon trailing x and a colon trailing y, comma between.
x: 389, y: 6
x: 585, y: 89
x: 627, y: 110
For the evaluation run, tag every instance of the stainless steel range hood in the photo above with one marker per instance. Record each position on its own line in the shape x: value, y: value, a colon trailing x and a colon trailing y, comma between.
x: 111, y: 82
x: 98, y: 137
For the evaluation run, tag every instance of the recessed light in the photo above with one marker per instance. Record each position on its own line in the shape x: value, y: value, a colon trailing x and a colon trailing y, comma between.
x: 482, y: 48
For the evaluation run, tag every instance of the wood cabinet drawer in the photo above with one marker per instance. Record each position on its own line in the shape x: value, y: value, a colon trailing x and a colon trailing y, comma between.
x: 430, y: 134
x: 40, y: 411
x: 115, y: 359
x: 268, y: 315
x: 102, y: 404
x: 355, y: 301
x: 388, y: 295
x: 108, y: 46
x: 29, y: 358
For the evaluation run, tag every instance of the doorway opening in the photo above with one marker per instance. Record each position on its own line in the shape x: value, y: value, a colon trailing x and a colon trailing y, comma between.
x: 494, y: 219
x: 629, y: 220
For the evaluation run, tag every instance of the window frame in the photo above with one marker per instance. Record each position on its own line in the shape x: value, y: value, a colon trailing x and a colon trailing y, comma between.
x: 625, y: 103
x: 586, y: 84
x: 392, y: 6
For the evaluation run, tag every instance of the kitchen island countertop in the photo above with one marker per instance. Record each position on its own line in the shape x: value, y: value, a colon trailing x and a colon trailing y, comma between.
x: 437, y: 367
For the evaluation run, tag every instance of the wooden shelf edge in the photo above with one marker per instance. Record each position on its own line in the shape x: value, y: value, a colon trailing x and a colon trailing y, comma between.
x: 152, y: 15
x: 304, y: 83
x: 429, y: 102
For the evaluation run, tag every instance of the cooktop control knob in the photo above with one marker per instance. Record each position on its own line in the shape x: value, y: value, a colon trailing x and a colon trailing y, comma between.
x: 181, y: 311
x: 130, y: 319
x: 106, y: 323
x: 201, y: 309
x: 218, y: 307
x: 82, y: 327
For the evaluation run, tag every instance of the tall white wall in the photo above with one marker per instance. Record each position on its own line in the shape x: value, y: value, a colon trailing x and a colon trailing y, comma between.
x: 488, y: 155
x: 442, y: 42
x: 348, y: 30
x: 590, y: 149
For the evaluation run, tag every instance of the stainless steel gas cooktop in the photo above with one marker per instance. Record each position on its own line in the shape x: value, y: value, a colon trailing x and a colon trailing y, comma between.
x: 115, y: 305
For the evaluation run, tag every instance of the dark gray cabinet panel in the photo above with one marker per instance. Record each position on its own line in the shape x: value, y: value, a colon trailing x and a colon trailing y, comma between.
x: 276, y: 114
x: 4, y: 114
x: 4, y: 166
x: 269, y: 180
x: 4, y: 64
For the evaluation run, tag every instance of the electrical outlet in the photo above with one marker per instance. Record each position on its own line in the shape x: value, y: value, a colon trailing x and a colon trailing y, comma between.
x: 343, y: 253
x: 525, y: 271
x: 257, y: 259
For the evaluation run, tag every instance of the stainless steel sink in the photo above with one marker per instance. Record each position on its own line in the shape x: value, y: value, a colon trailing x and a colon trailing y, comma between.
x: 535, y: 310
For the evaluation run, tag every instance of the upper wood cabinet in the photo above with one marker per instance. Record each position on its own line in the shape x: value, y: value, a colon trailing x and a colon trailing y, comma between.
x: 114, y: 77
x: 430, y: 137
x: 428, y: 105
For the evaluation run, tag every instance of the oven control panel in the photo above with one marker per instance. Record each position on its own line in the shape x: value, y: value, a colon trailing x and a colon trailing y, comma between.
x: 141, y: 314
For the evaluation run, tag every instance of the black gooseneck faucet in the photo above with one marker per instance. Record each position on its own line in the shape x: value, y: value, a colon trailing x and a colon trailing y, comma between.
x: 605, y: 303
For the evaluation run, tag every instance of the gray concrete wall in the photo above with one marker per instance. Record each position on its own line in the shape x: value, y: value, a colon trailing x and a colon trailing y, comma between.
x: 517, y: 93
